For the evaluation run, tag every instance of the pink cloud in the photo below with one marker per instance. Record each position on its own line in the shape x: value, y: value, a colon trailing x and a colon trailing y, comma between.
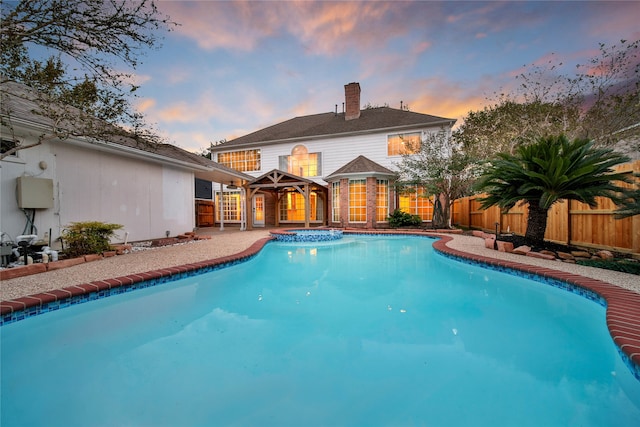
x: 324, y: 28
x: 145, y: 105
x: 421, y: 47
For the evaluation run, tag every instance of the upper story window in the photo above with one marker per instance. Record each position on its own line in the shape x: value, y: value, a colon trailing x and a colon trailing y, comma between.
x: 243, y: 161
x: 403, y: 143
x: 301, y: 162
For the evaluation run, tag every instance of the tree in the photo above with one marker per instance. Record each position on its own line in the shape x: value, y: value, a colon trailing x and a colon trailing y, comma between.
x: 601, y: 102
x: 630, y: 206
x: 549, y: 170
x: 441, y: 169
x: 88, y: 43
x: 508, y: 124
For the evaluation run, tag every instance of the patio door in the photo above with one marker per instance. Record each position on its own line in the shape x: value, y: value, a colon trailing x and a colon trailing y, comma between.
x: 258, y: 210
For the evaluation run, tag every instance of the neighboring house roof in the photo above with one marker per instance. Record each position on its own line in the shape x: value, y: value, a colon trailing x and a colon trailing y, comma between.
x: 332, y: 125
x: 360, y: 166
x: 21, y: 104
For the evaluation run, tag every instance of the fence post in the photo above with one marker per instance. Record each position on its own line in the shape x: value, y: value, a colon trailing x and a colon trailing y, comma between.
x: 569, y: 231
x: 635, y: 233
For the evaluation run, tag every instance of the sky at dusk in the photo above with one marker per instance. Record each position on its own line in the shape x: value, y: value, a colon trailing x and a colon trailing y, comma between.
x: 231, y: 68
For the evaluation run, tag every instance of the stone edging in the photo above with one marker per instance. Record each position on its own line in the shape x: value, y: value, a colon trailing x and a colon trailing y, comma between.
x: 623, y: 305
x: 622, y: 315
x: 11, y: 306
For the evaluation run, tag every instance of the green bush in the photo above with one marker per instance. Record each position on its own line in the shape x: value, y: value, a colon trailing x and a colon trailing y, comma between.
x: 402, y: 219
x: 624, y: 265
x: 90, y: 237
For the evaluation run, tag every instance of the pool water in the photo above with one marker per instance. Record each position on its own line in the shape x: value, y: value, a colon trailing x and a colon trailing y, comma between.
x: 366, y: 331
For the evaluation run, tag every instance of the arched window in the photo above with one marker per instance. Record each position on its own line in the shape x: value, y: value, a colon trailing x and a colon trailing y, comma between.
x: 301, y: 162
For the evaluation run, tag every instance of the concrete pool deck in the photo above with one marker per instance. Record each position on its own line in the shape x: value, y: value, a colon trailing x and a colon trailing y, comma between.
x: 621, y: 290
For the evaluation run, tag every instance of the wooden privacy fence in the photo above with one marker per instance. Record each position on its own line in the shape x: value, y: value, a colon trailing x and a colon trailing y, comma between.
x: 571, y: 223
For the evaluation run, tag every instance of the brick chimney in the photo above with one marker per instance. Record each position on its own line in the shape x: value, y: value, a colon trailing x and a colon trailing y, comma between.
x: 352, y: 98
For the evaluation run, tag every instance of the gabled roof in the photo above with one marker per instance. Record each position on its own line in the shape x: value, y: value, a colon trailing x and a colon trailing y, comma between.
x: 360, y: 166
x: 276, y: 178
x: 331, y: 125
x: 21, y: 103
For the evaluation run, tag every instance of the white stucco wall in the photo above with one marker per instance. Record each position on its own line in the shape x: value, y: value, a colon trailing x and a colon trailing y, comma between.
x: 147, y: 198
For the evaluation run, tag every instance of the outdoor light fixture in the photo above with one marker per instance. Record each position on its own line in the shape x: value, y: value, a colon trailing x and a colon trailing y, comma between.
x: 232, y: 186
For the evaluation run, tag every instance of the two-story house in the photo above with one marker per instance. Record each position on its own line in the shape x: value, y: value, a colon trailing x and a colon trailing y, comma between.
x: 335, y: 168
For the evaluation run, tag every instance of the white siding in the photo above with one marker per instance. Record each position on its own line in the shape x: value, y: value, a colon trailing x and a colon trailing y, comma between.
x: 336, y: 152
x: 147, y: 198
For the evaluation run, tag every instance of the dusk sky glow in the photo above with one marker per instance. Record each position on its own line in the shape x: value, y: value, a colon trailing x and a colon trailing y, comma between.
x: 231, y: 68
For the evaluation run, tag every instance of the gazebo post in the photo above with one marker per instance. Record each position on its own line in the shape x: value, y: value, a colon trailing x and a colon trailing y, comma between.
x: 307, y: 208
x: 221, y: 207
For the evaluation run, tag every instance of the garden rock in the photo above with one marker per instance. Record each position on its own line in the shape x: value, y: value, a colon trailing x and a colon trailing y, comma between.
x: 604, y: 254
x: 581, y: 254
x: 565, y: 256
x: 522, y: 250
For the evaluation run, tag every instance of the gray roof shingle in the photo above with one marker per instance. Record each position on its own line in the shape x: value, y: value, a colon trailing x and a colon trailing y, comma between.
x: 361, y: 165
x: 20, y: 101
x: 330, y: 125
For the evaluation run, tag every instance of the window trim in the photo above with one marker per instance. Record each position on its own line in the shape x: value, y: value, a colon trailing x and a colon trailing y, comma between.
x: 235, y: 195
x: 16, y: 157
x: 284, y: 162
x: 413, y: 198
x: 245, y: 161
x: 335, y: 201
x: 382, y: 183
x: 400, y: 135
x: 352, y: 213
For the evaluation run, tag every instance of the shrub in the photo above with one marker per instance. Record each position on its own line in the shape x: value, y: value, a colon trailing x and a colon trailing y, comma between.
x: 90, y: 237
x: 402, y: 219
x: 624, y: 265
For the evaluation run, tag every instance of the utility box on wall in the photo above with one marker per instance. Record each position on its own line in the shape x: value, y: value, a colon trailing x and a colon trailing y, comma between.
x: 35, y: 193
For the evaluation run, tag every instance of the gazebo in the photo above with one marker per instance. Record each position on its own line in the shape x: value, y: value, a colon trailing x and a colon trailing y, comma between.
x: 277, y: 183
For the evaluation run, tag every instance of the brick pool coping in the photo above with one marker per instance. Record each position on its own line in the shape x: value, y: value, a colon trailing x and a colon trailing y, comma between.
x: 622, y: 305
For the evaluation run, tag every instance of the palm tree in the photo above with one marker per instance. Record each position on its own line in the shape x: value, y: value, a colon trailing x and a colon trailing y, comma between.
x: 547, y: 171
x: 630, y: 206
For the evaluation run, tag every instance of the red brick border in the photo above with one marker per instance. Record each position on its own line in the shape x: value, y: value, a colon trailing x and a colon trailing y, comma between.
x: 623, y: 306
x: 22, y: 303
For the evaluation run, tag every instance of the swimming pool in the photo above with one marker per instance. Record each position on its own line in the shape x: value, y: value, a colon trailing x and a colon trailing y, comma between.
x: 364, y: 331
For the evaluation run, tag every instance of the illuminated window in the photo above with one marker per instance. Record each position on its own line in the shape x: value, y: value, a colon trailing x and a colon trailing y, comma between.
x: 335, y: 201
x: 358, y: 200
x: 415, y: 201
x: 403, y: 143
x: 243, y: 161
x: 231, y: 207
x: 382, y: 200
x: 292, y: 207
x: 301, y: 162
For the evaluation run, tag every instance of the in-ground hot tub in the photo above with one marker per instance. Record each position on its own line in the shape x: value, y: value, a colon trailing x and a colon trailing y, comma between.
x: 307, y: 235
